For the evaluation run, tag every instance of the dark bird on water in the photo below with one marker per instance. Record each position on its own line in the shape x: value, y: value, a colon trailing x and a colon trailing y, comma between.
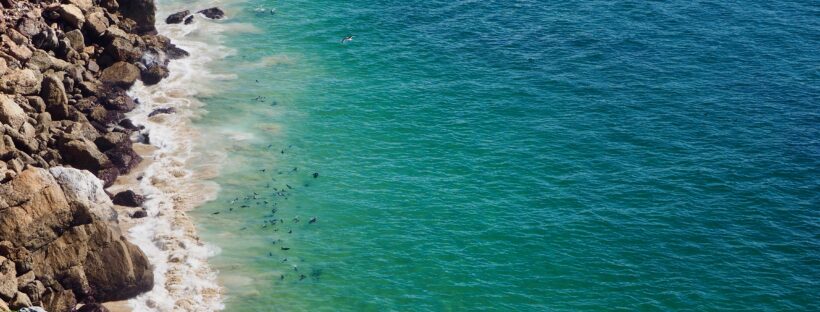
x: 285, y: 248
x: 315, y: 175
x: 312, y: 220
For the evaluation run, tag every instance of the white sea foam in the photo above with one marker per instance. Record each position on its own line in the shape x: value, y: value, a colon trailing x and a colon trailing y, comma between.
x: 172, y: 182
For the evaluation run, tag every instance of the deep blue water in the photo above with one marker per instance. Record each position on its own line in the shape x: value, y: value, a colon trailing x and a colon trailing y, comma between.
x: 519, y: 156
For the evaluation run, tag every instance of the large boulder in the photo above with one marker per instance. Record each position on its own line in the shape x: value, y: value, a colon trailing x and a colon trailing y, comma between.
x: 82, y: 187
x: 177, y: 17
x: 83, y: 154
x: 121, y: 49
x: 21, y: 81
x: 72, y: 15
x: 142, y: 12
x: 154, y: 73
x: 76, y: 39
x: 55, y: 98
x: 8, y: 279
x: 116, y: 98
x: 121, y: 74
x: 74, y: 252
x: 11, y: 113
x: 96, y: 23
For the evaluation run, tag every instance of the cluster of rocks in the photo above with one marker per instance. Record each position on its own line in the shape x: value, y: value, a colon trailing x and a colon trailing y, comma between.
x: 65, y: 66
x: 187, y: 18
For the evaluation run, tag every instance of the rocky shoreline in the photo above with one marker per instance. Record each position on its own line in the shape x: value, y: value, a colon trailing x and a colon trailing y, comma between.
x: 64, y: 71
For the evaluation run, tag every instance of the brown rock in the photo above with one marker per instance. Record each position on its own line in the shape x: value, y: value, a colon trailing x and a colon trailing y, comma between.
x: 72, y: 15
x: 55, y: 98
x: 96, y: 23
x: 20, y: 301
x: 83, y: 154
x: 8, y: 279
x: 124, y: 158
x: 75, y: 249
x: 21, y: 81
x: 59, y: 300
x: 84, y: 5
x: 121, y: 49
x: 117, y: 99
x: 76, y: 38
x: 121, y: 74
x: 11, y: 113
x: 154, y: 74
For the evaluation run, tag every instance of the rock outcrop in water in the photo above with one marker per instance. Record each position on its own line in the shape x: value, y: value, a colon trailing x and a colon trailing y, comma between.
x: 64, y: 69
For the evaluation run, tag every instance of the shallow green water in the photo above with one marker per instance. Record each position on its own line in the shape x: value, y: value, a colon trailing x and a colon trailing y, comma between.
x: 518, y: 156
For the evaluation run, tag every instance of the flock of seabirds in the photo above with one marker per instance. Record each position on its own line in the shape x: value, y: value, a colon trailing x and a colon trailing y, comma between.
x: 255, y: 199
x: 272, y: 220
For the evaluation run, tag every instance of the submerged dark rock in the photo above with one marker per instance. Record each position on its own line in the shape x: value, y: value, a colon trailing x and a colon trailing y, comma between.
x: 213, y: 13
x: 164, y: 110
x: 177, y: 17
x: 128, y: 198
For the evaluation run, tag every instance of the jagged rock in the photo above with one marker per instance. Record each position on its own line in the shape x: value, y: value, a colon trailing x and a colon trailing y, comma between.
x: 76, y: 38
x: 189, y: 20
x: 121, y: 49
x: 117, y: 99
x: 42, y: 61
x: 59, y: 300
x: 83, y: 154
x: 96, y: 24
x: 11, y: 113
x: 45, y: 39
x: 3, y: 66
x: 3, y: 306
x: 175, y: 52
x: 19, y: 51
x: 74, y: 249
x: 177, y: 17
x: 72, y: 15
x: 111, y: 140
x: 34, y: 290
x: 154, y: 74
x: 8, y: 279
x: 124, y: 158
x: 140, y: 11
x: 55, y: 98
x: 128, y: 198
x: 29, y: 26
x: 20, y: 300
x: 82, y: 187
x: 213, y: 13
x: 21, y: 81
x: 121, y: 74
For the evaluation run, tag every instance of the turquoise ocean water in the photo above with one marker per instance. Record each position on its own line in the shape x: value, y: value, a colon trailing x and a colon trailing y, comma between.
x: 518, y: 156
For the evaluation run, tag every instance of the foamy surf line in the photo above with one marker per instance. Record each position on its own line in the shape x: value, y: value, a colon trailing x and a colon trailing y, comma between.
x: 183, y: 280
